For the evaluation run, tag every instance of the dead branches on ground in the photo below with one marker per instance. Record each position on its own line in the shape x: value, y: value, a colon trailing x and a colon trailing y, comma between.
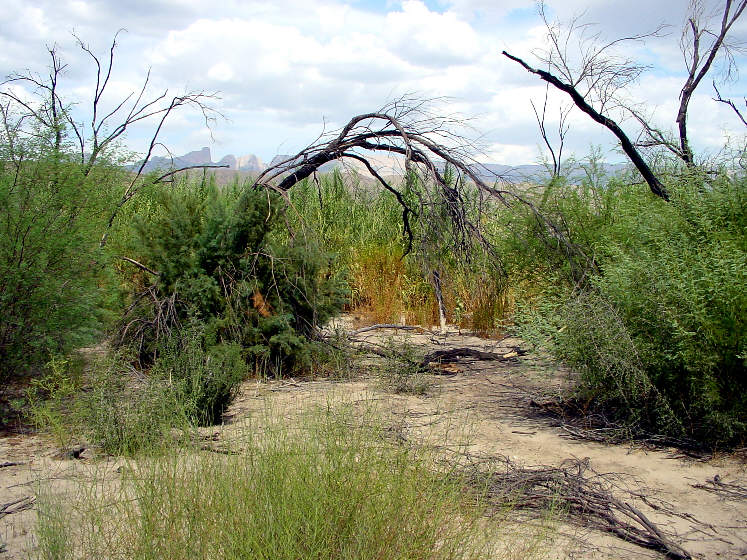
x: 455, y: 354
x: 725, y: 489
x: 387, y: 326
x: 16, y: 506
x: 586, y: 497
x: 588, y: 421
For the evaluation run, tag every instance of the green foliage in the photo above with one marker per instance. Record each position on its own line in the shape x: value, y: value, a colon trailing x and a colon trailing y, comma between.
x: 125, y: 414
x: 203, y: 377
x: 110, y: 405
x: 218, y: 265
x: 53, y: 278
x: 658, y: 327
x: 363, y: 225
x: 321, y: 487
x: 49, y: 399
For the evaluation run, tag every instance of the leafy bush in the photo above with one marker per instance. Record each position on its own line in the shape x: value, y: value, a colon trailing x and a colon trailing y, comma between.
x: 110, y: 406
x: 204, y: 377
x: 49, y: 399
x: 219, y: 265
x: 53, y: 278
x: 658, y: 330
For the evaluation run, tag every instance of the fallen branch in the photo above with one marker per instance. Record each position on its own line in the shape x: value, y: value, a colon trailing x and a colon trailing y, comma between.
x: 21, y: 504
x: 454, y: 354
x: 10, y: 464
x: 588, y: 421
x: 588, y: 498
x: 387, y: 326
x: 72, y: 453
x: 724, y: 489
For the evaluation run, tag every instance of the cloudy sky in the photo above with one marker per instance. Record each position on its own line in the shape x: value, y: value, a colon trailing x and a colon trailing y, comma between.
x: 285, y: 67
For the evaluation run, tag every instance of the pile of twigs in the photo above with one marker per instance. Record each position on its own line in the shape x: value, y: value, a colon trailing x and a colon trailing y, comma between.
x: 590, y: 423
x: 587, y: 498
x: 727, y: 490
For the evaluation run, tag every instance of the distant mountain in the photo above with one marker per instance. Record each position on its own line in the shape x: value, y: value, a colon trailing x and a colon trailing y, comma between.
x: 387, y: 166
x: 520, y: 173
x: 249, y: 162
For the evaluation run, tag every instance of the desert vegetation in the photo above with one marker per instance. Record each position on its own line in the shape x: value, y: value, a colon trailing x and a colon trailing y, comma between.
x: 179, y: 290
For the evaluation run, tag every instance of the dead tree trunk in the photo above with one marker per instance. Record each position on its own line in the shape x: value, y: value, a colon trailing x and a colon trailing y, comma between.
x: 699, y: 63
x: 625, y: 143
x: 436, y: 277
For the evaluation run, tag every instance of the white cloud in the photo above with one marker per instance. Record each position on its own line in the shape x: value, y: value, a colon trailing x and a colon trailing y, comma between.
x: 285, y: 67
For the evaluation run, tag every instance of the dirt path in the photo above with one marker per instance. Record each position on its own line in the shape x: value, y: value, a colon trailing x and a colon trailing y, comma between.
x: 485, y: 407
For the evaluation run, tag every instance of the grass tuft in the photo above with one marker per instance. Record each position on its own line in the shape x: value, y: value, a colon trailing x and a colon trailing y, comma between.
x: 329, y: 486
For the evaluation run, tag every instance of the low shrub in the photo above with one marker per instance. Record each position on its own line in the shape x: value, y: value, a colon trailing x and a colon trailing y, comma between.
x: 110, y: 406
x: 219, y: 265
x: 203, y: 377
x: 401, y: 371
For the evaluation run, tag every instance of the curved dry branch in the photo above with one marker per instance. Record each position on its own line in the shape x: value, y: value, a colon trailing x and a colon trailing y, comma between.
x: 625, y: 143
x: 440, y: 175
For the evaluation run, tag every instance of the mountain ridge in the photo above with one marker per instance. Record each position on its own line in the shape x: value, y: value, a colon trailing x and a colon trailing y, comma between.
x: 250, y: 163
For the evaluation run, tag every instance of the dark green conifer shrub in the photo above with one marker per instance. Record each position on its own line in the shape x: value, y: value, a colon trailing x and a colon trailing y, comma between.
x: 220, y: 266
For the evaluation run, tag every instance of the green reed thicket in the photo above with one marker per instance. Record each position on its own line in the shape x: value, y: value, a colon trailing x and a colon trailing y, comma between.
x: 363, y: 225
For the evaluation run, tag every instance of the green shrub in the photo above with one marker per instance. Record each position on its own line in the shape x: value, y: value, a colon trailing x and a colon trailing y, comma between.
x: 219, y: 265
x: 49, y: 400
x: 658, y: 327
x: 111, y: 406
x: 124, y: 413
x: 53, y: 278
x: 204, y: 378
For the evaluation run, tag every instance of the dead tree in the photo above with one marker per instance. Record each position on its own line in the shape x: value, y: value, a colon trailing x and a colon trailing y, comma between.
x: 593, y: 78
x: 596, y: 77
x: 48, y: 117
x: 626, y: 144
x: 427, y: 145
x: 700, y: 47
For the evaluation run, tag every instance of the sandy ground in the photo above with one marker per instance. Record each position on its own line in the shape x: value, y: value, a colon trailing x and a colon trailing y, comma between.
x: 484, y: 407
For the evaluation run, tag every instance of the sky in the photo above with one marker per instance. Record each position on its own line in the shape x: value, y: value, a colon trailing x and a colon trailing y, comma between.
x: 286, y: 70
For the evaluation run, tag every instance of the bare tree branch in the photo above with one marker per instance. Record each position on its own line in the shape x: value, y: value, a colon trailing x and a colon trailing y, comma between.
x: 653, y: 182
x: 140, y: 266
x: 563, y: 128
x: 95, y: 138
x: 175, y: 171
x: 731, y: 104
x: 427, y: 146
x: 699, y: 59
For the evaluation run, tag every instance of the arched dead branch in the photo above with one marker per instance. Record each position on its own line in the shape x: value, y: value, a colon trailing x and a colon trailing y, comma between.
x: 439, y: 169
